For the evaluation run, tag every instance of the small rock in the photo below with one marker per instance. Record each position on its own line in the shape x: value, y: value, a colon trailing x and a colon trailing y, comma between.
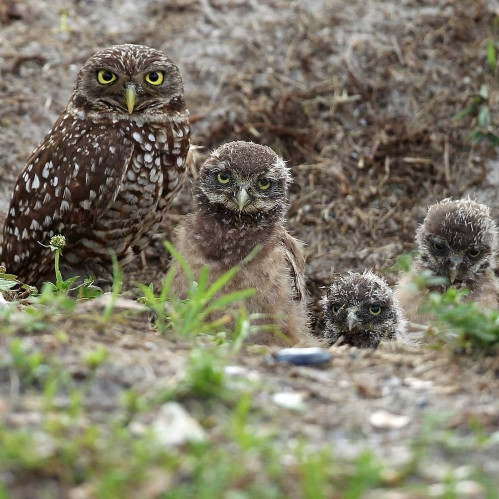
x: 387, y: 420
x: 120, y: 305
x: 3, y: 302
x: 469, y: 488
x: 463, y: 472
x: 422, y: 402
x: 303, y: 356
x: 465, y: 488
x: 150, y: 345
x: 290, y: 400
x: 243, y: 372
x: 137, y: 428
x: 418, y: 384
x: 436, y: 490
x: 175, y: 426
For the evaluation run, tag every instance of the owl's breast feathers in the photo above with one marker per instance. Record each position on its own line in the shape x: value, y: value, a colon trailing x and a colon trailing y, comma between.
x: 101, y: 185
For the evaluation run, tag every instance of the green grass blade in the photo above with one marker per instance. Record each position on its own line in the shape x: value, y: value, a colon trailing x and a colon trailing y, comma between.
x: 180, y: 259
x: 484, y: 116
x: 221, y: 282
x: 228, y: 299
x: 464, y: 112
x: 116, y: 288
x: 167, y: 284
x: 491, y: 56
x: 6, y: 284
x: 202, y: 281
x: 251, y: 254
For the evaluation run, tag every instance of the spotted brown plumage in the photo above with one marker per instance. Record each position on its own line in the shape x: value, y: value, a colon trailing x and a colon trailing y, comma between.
x: 241, y: 195
x: 106, y: 172
x: 360, y: 309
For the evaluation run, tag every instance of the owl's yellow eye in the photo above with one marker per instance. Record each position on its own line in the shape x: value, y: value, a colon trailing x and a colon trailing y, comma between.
x: 264, y: 183
x: 375, y: 310
x: 104, y: 77
x: 336, y: 308
x: 474, y: 253
x: 223, y: 178
x: 154, y: 78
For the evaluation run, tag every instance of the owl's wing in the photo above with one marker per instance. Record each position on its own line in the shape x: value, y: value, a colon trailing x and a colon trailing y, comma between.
x: 296, y: 261
x: 68, y: 183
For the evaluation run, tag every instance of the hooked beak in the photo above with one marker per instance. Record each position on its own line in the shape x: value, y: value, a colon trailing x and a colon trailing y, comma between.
x: 352, y: 320
x: 130, y: 97
x: 242, y: 198
x: 452, y: 275
x: 453, y: 268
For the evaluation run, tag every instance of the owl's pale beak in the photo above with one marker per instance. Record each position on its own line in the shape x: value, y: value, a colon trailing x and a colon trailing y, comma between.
x: 452, y: 275
x: 130, y: 97
x: 453, y: 268
x: 352, y: 320
x: 242, y: 198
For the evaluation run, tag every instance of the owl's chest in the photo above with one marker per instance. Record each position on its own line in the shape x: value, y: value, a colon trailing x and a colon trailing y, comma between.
x: 156, y: 166
x: 149, y: 161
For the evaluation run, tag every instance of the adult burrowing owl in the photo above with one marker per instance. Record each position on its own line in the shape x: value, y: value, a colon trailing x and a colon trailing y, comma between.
x: 361, y: 308
x: 458, y: 242
x: 241, y: 198
x: 106, y: 172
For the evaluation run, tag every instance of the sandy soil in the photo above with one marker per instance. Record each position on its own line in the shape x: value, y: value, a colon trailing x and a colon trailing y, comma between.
x: 359, y: 98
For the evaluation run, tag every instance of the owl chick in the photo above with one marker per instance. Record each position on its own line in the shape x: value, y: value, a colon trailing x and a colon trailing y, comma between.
x: 241, y: 195
x: 106, y: 172
x: 361, y: 308
x: 457, y: 242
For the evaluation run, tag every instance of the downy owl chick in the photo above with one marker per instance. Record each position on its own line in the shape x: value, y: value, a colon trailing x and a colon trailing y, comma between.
x: 361, y: 308
x: 458, y: 243
x: 241, y: 195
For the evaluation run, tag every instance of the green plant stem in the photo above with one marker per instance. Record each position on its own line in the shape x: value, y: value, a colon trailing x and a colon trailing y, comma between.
x: 58, y: 275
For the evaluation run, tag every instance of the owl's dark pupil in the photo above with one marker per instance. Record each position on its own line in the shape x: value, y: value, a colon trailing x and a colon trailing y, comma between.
x: 107, y: 76
x: 224, y: 176
x: 438, y: 246
x: 153, y: 76
x: 375, y: 309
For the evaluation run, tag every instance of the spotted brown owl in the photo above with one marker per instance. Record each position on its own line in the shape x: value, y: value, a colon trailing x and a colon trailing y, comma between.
x: 106, y: 172
x: 241, y: 195
x: 362, y: 311
x: 457, y: 242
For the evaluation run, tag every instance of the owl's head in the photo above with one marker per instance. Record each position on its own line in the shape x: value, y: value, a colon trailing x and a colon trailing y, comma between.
x: 244, y: 178
x: 128, y: 79
x: 362, y: 309
x: 457, y: 240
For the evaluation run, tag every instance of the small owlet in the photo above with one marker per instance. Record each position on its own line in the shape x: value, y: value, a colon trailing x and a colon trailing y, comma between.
x: 458, y: 242
x: 241, y: 195
x: 106, y: 172
x: 361, y: 308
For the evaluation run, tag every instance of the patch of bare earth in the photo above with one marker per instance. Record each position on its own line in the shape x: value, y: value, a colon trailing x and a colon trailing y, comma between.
x: 359, y: 98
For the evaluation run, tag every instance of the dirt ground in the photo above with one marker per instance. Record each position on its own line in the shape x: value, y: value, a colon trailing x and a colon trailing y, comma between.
x: 359, y: 98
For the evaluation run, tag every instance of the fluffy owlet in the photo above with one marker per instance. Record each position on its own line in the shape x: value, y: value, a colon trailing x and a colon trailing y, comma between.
x: 458, y: 242
x: 241, y: 196
x: 361, y: 308
x: 106, y: 172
